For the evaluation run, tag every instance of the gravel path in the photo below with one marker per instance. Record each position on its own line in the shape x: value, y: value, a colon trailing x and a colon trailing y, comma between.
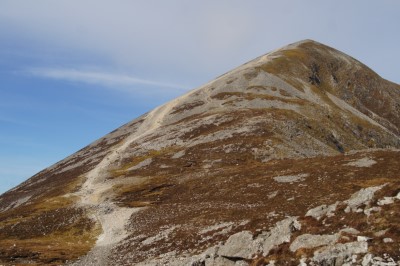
x: 96, y: 191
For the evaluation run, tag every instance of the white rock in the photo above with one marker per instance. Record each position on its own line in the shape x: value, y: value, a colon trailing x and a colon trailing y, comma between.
x: 272, y: 194
x: 367, y: 260
x: 386, y: 201
x: 320, y: 211
x: 290, y: 178
x: 271, y: 263
x: 388, y: 240
x: 302, y: 262
x: 364, y: 162
x: 350, y: 230
x: 398, y: 196
x: 179, y: 154
x: 363, y: 238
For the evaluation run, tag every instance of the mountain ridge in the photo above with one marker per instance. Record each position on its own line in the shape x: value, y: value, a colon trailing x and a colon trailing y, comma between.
x: 305, y: 102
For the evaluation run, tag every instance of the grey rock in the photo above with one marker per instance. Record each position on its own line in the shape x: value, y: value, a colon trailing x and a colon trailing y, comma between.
x: 290, y: 178
x: 313, y: 241
x: 221, y: 261
x: 241, y: 263
x: 381, y: 233
x: 388, y: 240
x: 366, y: 260
x: 363, y: 238
x: 339, y: 261
x: 350, y: 230
x: 364, y: 196
x: 302, y: 262
x: 240, y: 245
x: 280, y: 234
x: 328, y: 255
x: 386, y: 201
x: 322, y: 210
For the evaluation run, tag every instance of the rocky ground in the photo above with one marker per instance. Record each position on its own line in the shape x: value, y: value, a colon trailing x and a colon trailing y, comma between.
x: 291, y: 158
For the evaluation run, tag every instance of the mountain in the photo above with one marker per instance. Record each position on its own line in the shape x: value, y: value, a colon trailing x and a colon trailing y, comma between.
x: 291, y: 158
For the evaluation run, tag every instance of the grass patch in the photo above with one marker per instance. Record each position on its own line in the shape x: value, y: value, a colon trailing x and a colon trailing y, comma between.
x: 51, y: 237
x: 254, y: 96
x: 152, y: 154
x: 50, y: 249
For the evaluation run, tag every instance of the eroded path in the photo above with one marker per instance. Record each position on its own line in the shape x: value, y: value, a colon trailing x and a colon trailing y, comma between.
x: 96, y: 194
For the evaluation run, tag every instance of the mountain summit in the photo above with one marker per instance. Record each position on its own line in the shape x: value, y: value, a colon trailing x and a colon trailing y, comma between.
x: 291, y: 158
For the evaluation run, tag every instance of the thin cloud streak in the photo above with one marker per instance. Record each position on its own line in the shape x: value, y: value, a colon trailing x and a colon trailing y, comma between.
x: 110, y: 80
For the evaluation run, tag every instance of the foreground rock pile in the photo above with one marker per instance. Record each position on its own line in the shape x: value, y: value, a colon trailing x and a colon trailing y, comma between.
x: 246, y: 248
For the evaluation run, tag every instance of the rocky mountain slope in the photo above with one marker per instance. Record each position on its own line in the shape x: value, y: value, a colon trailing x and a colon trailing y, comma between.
x: 291, y: 158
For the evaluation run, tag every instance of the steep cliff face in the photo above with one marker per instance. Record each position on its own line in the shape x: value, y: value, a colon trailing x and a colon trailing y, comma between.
x: 297, y: 128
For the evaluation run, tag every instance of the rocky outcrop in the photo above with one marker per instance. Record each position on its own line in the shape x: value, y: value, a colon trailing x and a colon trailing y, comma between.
x: 244, y: 247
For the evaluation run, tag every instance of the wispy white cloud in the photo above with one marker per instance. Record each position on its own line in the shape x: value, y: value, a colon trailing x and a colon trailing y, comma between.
x: 111, y: 80
x: 197, y: 40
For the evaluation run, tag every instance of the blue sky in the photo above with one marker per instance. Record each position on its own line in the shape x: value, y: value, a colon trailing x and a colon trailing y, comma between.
x: 72, y: 71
